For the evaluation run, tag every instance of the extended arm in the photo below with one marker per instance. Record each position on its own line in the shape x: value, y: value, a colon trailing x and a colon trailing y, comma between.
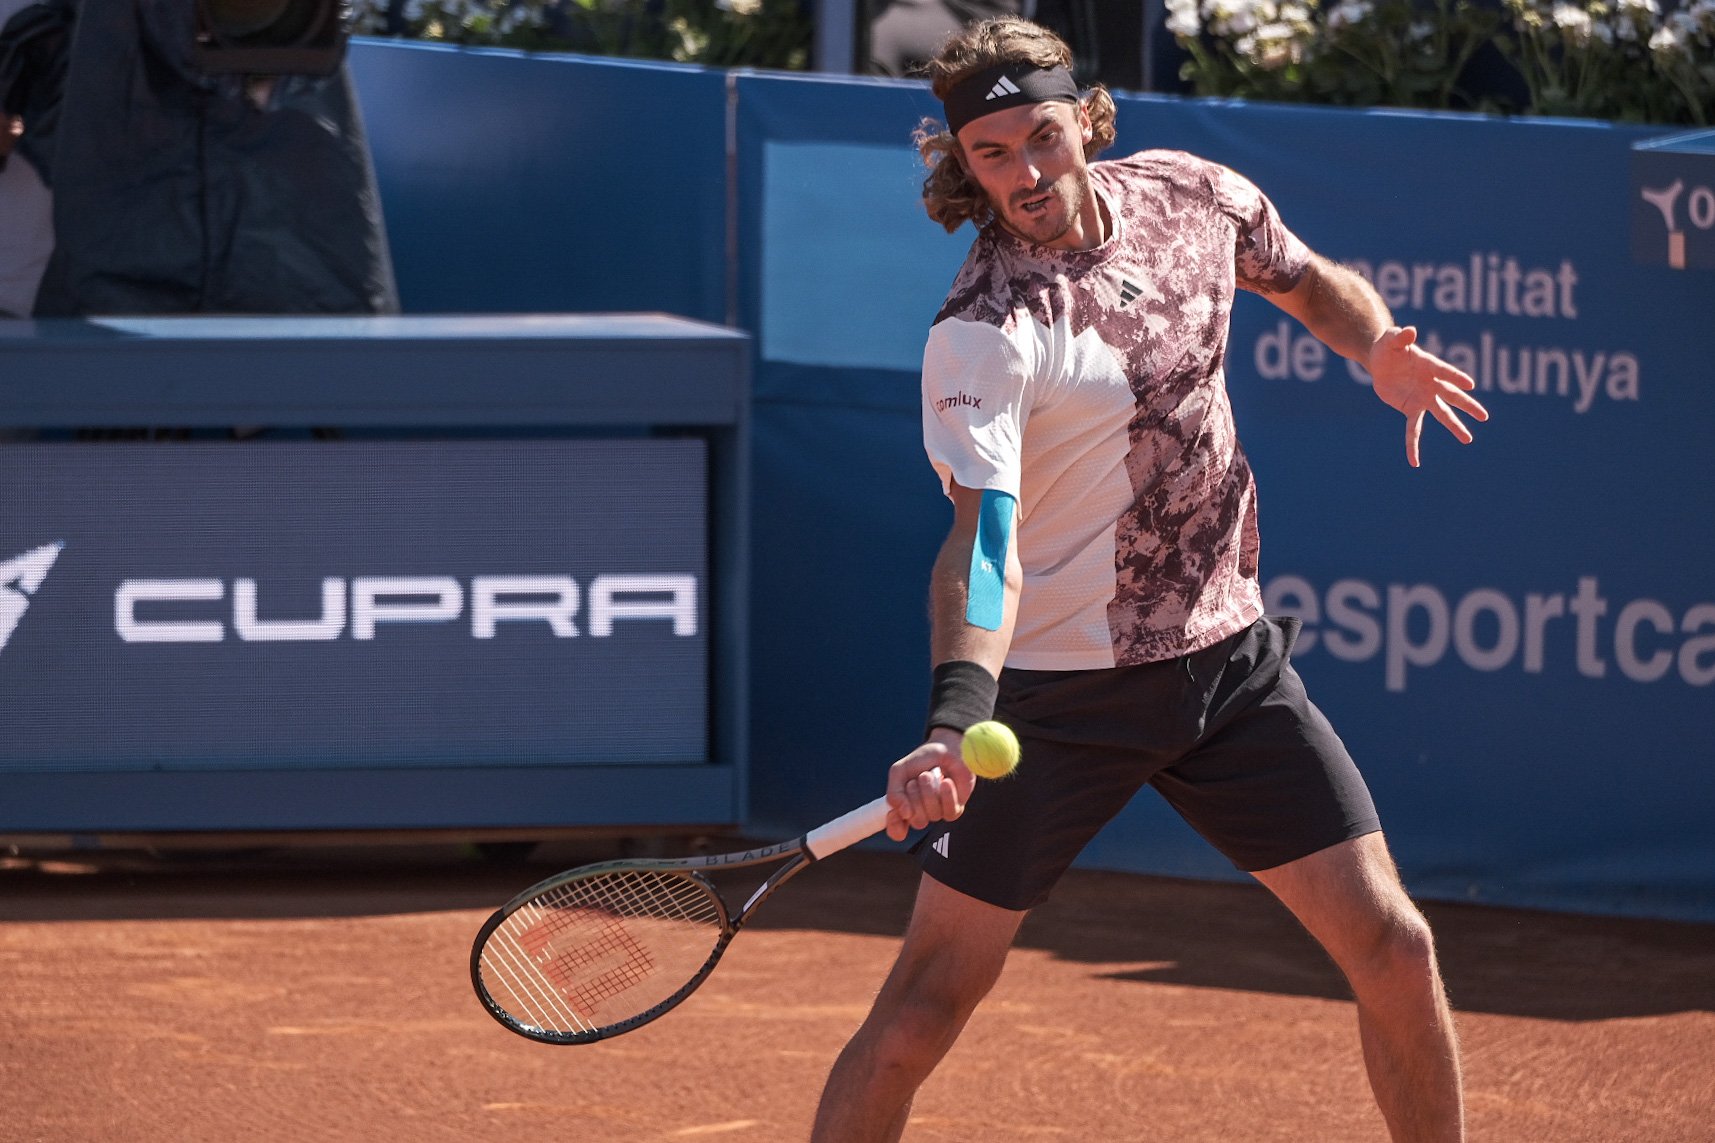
x: 1347, y: 315
x: 918, y: 797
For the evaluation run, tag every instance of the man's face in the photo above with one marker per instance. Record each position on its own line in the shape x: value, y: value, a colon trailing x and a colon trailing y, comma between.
x: 1030, y: 162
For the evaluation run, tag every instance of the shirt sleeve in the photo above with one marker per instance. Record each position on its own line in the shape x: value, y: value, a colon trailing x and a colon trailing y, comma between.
x: 1270, y: 259
x: 974, y: 406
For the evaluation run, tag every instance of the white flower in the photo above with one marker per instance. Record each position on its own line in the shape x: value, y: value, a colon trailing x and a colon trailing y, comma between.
x: 1667, y: 42
x: 1185, y: 25
x: 1241, y: 22
x: 1348, y: 13
x: 740, y: 7
x: 1574, y: 22
x: 1182, y: 18
x: 1237, y: 17
x: 1276, y: 45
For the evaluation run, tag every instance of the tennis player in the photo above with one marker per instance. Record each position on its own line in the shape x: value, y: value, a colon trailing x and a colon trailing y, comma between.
x: 1098, y: 590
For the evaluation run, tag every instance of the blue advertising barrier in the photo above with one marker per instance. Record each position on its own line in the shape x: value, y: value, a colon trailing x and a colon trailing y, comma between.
x: 1517, y: 641
x: 510, y: 597
x: 360, y: 603
x: 1673, y: 200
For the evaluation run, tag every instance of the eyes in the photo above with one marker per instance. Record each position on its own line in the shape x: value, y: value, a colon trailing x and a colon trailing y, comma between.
x: 1045, y: 139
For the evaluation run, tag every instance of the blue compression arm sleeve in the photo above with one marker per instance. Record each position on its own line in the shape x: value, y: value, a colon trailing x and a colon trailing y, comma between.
x: 985, y: 599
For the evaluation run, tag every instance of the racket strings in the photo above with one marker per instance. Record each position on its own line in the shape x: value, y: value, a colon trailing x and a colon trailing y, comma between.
x: 600, y: 950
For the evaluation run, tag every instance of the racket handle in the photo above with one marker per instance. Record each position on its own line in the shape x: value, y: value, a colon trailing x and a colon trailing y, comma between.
x: 848, y: 829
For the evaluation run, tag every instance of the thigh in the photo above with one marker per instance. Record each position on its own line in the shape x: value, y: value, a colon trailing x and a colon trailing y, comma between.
x: 954, y: 948
x: 1348, y: 896
x: 1272, y: 783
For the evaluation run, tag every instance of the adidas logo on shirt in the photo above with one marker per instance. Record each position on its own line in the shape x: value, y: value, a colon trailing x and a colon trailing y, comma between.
x: 1002, y: 88
x: 1128, y: 292
x: 940, y: 845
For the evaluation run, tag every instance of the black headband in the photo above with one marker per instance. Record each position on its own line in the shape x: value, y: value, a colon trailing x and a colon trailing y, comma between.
x: 1004, y: 86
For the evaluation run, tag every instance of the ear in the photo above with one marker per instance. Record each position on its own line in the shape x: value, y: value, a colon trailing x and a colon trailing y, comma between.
x: 1084, y: 126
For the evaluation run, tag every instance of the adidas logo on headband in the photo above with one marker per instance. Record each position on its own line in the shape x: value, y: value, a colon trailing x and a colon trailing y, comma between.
x: 1005, y: 86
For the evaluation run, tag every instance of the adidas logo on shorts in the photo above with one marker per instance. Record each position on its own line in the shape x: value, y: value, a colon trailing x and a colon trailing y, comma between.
x: 940, y: 845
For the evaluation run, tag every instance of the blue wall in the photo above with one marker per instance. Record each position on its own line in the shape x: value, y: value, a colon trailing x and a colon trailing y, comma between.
x: 518, y: 183
x: 1562, y: 761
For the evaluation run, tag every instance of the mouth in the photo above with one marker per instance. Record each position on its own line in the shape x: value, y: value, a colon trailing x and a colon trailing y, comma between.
x: 1035, y: 206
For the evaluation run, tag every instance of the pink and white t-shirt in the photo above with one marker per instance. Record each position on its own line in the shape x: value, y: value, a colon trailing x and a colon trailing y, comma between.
x: 1090, y: 386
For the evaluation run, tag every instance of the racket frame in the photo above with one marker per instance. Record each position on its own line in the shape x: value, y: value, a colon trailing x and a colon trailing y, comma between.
x: 800, y: 853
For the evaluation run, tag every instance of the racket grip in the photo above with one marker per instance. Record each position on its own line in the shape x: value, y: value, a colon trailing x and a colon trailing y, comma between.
x: 847, y: 829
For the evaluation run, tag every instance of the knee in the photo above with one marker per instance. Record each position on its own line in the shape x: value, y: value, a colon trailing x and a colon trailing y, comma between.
x: 1395, y: 948
x: 920, y: 1015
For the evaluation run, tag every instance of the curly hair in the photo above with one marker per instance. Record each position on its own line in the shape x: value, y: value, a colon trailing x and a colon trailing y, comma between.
x: 950, y: 194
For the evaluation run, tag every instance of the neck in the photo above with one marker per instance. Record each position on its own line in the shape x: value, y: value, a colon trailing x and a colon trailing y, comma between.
x: 1094, y: 221
x: 1090, y: 227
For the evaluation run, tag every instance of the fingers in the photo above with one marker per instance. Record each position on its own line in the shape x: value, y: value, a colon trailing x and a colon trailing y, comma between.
x: 1451, y: 420
x: 1466, y: 403
x: 1399, y: 337
x: 1444, y: 371
x: 1445, y: 392
x: 928, y: 797
x: 1418, y: 384
x: 922, y: 787
x: 1459, y: 378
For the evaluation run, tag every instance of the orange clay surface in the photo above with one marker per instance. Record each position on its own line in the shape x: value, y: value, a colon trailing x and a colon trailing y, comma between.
x: 322, y: 995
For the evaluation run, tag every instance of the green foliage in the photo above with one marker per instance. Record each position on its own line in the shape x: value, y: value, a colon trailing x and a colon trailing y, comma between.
x: 1609, y: 59
x: 722, y: 33
x: 1616, y: 59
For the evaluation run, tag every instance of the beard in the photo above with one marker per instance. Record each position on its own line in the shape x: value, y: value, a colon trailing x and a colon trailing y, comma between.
x: 1064, y: 202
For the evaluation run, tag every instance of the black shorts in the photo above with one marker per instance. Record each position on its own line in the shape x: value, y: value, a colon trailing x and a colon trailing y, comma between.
x: 1225, y: 734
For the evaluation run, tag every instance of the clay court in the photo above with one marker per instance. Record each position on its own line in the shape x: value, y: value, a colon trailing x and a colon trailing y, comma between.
x: 322, y: 994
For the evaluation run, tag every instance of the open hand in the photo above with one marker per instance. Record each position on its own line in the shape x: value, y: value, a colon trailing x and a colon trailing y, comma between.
x: 1417, y: 382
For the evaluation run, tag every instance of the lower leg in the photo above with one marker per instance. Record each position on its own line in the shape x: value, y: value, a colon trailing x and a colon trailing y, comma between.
x: 952, y: 955
x: 1350, y: 898
x: 1411, y: 1049
x: 869, y: 1092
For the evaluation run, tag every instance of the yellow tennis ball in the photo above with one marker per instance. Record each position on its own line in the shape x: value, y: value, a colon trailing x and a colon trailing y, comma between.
x: 990, y: 749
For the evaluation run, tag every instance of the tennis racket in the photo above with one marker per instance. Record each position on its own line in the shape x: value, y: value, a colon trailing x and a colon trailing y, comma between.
x: 606, y: 948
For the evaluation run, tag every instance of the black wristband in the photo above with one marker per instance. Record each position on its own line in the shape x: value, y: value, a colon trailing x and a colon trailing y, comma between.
x: 961, y: 694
